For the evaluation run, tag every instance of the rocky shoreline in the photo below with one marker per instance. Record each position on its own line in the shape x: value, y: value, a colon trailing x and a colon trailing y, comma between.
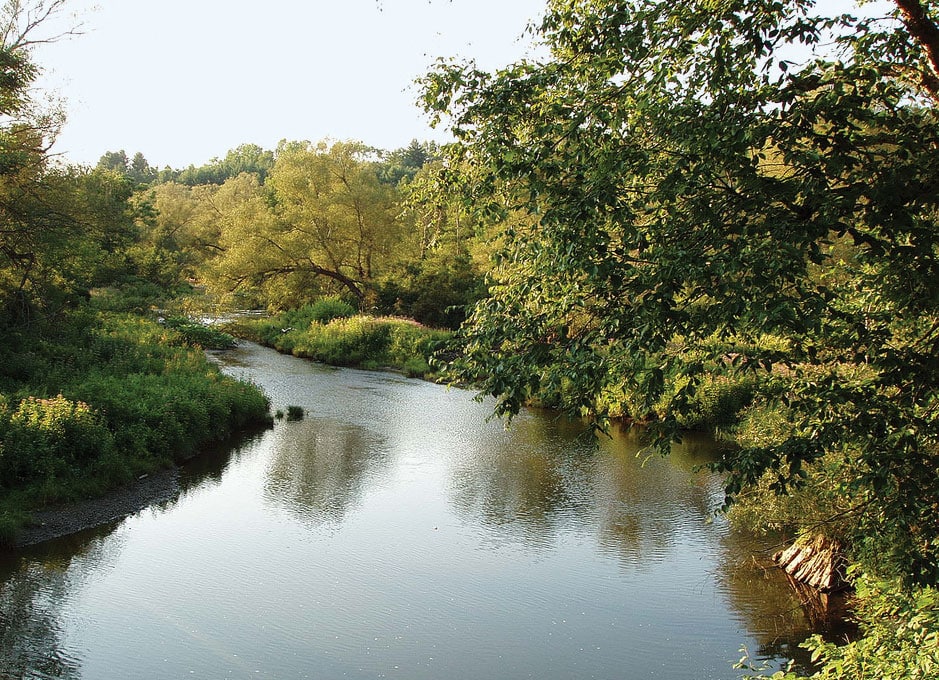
x: 56, y: 522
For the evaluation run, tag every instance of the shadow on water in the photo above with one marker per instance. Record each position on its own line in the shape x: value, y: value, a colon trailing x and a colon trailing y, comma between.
x: 35, y: 581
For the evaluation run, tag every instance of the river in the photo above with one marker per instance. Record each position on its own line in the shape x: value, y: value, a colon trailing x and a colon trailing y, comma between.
x: 395, y: 533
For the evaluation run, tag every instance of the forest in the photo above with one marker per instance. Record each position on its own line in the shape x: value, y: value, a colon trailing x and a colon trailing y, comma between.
x: 715, y: 215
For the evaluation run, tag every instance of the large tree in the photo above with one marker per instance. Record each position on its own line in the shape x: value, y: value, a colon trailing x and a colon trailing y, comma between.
x: 704, y: 174
x: 322, y: 216
x: 44, y: 217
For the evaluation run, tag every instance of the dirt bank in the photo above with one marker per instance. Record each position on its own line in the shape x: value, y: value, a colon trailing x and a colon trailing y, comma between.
x: 156, y: 487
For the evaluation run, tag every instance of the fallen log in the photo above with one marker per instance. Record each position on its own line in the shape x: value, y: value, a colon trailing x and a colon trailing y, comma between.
x: 817, y: 561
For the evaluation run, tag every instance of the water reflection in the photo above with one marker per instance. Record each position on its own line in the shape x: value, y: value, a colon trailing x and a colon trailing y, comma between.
x: 452, y: 548
x: 319, y: 466
x: 780, y: 613
x: 528, y: 481
x: 549, y: 475
x: 30, y: 634
x: 34, y: 585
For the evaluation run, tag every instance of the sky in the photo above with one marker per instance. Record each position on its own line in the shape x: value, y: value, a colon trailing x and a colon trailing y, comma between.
x: 184, y: 81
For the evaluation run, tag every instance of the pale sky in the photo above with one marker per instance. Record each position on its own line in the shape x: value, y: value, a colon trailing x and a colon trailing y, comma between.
x: 183, y: 81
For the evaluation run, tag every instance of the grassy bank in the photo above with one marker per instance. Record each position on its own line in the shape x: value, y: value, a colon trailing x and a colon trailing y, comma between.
x: 329, y: 331
x: 94, y: 400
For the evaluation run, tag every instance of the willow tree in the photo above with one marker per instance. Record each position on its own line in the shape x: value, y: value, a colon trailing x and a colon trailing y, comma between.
x: 705, y: 173
x: 322, y: 216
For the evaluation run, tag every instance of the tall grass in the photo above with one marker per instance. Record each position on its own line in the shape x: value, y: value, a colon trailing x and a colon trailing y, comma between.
x: 93, y: 402
x: 347, y: 340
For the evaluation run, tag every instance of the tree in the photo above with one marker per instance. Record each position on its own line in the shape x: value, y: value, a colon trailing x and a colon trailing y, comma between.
x: 705, y: 174
x: 38, y: 220
x: 115, y: 161
x: 140, y: 170
x: 248, y: 158
x: 404, y: 163
x: 322, y: 213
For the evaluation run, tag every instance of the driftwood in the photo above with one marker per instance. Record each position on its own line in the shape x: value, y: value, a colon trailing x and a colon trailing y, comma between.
x: 817, y: 561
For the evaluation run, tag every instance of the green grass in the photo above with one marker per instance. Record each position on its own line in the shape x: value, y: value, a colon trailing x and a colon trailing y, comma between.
x: 93, y: 401
x: 360, y: 341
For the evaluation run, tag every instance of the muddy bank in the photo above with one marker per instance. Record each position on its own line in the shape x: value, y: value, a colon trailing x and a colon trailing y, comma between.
x: 159, y: 486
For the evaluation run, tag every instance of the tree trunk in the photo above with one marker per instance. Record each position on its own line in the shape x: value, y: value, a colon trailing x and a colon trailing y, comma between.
x: 816, y: 561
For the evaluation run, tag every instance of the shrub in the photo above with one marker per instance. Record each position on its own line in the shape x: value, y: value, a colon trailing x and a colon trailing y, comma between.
x: 345, y: 342
x: 351, y: 341
x: 198, y: 334
x: 49, y: 438
x: 900, y: 638
x: 326, y: 309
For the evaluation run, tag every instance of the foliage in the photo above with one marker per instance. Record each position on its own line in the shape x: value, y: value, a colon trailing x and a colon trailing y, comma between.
x: 136, y: 169
x: 351, y: 341
x: 436, y: 291
x: 89, y: 403
x: 721, y: 169
x: 362, y: 341
x: 324, y: 310
x: 49, y: 438
x: 246, y: 158
x: 322, y: 212
x: 403, y: 164
x: 900, y: 638
x: 198, y: 334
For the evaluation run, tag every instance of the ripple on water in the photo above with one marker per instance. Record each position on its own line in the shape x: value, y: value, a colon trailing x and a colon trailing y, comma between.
x: 395, y: 533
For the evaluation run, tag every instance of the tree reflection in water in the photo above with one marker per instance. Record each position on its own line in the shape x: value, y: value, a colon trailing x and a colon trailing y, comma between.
x: 549, y: 476
x: 34, y: 588
x: 549, y: 471
x: 319, y: 467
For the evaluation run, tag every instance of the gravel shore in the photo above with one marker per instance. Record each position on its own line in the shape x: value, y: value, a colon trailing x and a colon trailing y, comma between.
x: 61, y: 521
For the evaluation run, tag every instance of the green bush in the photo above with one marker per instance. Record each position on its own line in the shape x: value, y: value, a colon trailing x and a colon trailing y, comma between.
x: 49, y: 439
x: 346, y: 341
x: 200, y: 335
x: 900, y: 637
x: 326, y: 309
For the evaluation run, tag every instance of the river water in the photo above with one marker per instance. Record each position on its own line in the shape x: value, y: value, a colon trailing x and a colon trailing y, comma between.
x: 395, y: 533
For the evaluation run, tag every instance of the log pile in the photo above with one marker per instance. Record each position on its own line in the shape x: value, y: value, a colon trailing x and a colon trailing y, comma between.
x: 817, y: 561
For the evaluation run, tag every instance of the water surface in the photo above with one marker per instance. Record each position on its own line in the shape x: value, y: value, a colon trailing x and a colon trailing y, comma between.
x: 395, y: 533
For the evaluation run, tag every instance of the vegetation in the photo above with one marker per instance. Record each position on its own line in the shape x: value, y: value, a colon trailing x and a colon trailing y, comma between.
x: 89, y: 397
x: 735, y: 212
x: 92, y: 391
x: 95, y: 402
x: 710, y: 214
x: 199, y: 335
x: 329, y: 331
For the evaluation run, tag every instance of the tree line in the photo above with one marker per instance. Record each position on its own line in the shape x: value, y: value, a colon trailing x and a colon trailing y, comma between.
x: 282, y: 228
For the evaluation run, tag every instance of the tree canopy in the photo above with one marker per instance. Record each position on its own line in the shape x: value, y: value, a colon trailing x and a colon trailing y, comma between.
x: 721, y: 186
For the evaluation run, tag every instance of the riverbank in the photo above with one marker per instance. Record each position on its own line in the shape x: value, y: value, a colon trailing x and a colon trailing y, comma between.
x: 64, y: 520
x: 97, y: 401
x: 333, y: 334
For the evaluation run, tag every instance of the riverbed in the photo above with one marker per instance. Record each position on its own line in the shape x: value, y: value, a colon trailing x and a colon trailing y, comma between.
x: 395, y: 532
